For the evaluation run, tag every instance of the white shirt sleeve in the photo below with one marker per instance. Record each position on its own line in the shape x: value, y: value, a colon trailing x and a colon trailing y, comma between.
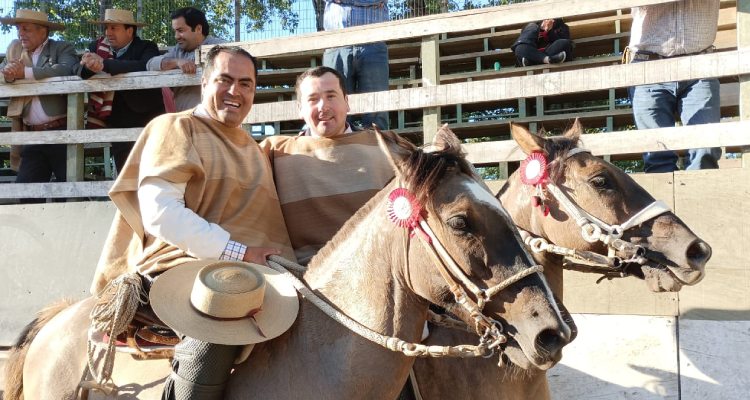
x: 162, y: 206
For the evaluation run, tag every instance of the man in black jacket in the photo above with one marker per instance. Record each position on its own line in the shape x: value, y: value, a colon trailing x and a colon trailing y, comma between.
x: 121, y: 51
x: 544, y: 42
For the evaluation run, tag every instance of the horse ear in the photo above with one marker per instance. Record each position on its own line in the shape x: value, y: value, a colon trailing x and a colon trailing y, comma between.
x: 528, y: 141
x: 575, y: 131
x: 445, y: 139
x: 395, y: 158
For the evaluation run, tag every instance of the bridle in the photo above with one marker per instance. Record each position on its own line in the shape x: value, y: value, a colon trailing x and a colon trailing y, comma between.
x: 594, y: 230
x: 489, y: 329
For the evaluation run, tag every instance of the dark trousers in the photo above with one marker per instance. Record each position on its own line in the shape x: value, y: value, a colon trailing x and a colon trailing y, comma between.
x: 39, y: 162
x: 534, y: 56
x: 120, y: 152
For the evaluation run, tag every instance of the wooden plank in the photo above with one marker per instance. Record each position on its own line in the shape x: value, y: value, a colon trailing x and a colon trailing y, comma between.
x: 430, y: 55
x: 79, y: 136
x: 436, y: 24
x: 74, y: 168
x: 55, y: 190
x: 74, y: 84
x: 715, y: 203
x: 743, y: 41
x: 614, y: 76
x: 625, y: 142
x: 723, y: 295
x: 618, y: 357
x: 712, y: 354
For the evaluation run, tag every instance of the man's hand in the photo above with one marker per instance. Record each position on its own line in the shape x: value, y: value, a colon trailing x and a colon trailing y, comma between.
x: 13, y: 70
x: 258, y: 255
x: 93, y: 62
x: 187, y: 66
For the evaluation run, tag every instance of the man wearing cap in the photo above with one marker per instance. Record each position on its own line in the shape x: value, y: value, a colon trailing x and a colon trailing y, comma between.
x: 191, y: 31
x: 35, y: 56
x: 197, y: 186
x: 119, y: 52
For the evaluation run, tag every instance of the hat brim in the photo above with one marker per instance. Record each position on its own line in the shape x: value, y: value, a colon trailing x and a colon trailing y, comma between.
x: 53, y: 26
x: 170, y: 300
x: 110, y: 22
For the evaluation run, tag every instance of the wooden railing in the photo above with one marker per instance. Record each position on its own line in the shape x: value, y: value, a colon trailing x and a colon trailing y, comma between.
x: 433, y: 91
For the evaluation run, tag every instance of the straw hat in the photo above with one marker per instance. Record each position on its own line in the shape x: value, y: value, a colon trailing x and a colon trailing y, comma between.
x: 225, y: 302
x: 34, y: 17
x: 116, y: 16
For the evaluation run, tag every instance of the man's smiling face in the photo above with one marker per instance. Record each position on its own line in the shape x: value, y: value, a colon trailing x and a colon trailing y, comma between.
x: 229, y: 90
x: 323, y: 105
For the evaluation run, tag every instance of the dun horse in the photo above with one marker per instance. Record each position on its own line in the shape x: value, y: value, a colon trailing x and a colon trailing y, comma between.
x: 375, y: 272
x: 670, y: 256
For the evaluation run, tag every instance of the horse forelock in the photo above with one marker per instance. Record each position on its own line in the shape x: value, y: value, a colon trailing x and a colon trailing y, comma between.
x: 423, y: 171
x: 558, y: 148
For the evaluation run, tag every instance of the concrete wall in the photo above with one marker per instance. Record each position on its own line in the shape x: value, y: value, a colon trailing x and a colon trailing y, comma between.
x: 47, y: 251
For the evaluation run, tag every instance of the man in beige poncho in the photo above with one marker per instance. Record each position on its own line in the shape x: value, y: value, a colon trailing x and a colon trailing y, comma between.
x: 196, y: 186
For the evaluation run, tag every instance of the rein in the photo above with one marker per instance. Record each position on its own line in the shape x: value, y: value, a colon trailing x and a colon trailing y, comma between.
x: 490, y: 330
x: 595, y: 230
x: 410, y: 349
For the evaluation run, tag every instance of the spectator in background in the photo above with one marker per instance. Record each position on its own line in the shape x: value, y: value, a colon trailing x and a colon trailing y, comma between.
x: 121, y: 51
x: 191, y: 31
x: 324, y: 175
x: 35, y: 56
x: 364, y: 66
x: 668, y: 30
x: 545, y: 42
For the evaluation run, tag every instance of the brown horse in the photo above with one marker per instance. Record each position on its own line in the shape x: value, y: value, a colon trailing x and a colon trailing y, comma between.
x: 672, y: 256
x: 378, y: 274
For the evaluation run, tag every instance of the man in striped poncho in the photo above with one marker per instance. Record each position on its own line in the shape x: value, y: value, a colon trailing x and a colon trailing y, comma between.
x: 327, y: 172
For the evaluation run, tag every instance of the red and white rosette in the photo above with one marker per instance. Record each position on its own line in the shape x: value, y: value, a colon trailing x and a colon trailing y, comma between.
x: 403, y: 208
x: 534, y: 169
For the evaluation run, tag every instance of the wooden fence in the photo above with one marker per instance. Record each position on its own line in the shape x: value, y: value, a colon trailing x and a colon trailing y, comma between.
x: 442, y: 67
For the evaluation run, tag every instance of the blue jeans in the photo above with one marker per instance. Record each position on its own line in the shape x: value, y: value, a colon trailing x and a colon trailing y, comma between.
x: 696, y: 101
x: 365, y: 69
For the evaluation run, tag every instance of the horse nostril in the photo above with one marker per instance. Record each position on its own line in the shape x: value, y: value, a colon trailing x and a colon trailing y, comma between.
x: 698, y: 253
x: 550, y: 341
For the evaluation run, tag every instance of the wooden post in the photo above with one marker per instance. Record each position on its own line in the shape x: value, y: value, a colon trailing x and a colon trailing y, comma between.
x: 743, y: 41
x: 430, y: 58
x: 75, y: 151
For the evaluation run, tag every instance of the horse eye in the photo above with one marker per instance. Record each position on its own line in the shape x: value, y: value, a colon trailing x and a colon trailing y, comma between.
x: 600, y: 182
x: 458, y: 222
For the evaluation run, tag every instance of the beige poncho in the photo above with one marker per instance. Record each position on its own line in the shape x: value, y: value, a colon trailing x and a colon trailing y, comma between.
x: 228, y: 182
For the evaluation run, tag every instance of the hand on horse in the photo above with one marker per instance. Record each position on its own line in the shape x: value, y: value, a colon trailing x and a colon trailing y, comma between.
x: 258, y: 255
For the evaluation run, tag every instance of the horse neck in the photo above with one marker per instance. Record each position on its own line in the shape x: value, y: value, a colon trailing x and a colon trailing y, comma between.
x: 361, y: 271
x: 516, y: 198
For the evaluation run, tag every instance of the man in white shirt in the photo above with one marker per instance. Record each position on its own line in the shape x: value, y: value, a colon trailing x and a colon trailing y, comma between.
x: 191, y: 31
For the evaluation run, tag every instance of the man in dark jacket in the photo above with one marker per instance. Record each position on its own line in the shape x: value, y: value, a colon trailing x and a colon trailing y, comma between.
x: 545, y: 42
x: 121, y: 51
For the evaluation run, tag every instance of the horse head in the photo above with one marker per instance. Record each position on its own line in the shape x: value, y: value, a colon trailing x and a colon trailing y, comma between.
x: 470, y: 260
x: 593, y: 206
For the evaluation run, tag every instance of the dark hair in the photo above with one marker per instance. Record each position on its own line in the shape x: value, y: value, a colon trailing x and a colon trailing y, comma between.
x: 215, y: 50
x: 317, y: 72
x: 193, y: 17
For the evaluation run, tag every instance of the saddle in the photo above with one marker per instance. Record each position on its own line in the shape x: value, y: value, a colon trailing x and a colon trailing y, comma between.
x: 146, y: 338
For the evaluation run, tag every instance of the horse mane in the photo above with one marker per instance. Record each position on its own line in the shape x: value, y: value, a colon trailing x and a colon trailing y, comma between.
x: 557, y: 148
x: 421, y: 172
